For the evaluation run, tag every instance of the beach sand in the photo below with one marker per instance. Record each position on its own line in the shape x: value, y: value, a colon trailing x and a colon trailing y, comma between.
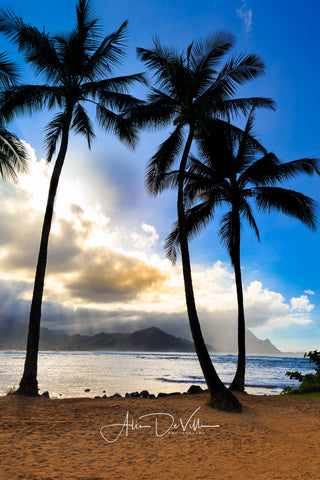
x: 274, y: 438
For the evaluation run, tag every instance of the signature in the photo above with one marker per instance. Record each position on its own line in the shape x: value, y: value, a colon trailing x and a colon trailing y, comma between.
x: 161, y: 423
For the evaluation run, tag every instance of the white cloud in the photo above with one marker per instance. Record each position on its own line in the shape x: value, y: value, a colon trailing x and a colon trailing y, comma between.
x: 301, y: 304
x: 309, y: 292
x: 245, y: 14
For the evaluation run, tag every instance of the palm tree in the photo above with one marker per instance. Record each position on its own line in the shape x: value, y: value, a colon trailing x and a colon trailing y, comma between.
x: 231, y: 175
x: 191, y: 89
x: 13, y: 155
x: 76, y: 68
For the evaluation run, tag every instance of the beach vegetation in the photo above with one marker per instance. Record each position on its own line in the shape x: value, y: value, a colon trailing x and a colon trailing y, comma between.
x: 11, y: 391
x: 309, y: 382
x: 194, y: 89
x: 235, y: 171
x: 76, y: 68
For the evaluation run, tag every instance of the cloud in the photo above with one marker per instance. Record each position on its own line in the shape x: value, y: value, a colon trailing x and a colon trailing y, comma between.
x: 309, y: 292
x: 301, y: 304
x: 102, y: 276
x: 245, y: 14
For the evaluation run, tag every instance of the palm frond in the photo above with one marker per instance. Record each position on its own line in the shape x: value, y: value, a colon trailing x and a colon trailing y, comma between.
x: 23, y: 99
x: 37, y: 47
x: 162, y: 161
x: 82, y: 124
x: 226, y: 233
x: 196, y: 218
x: 8, y: 71
x: 308, y: 166
x: 233, y: 107
x: 166, y: 65
x: 76, y: 48
x: 108, y: 54
x: 289, y: 202
x: 120, y: 126
x: 206, y: 54
x: 155, y: 113
x: 246, y: 151
x: 114, y: 84
x: 261, y: 172
x: 246, y: 212
x: 53, y: 132
x: 14, y: 157
x: 235, y: 72
x: 86, y: 25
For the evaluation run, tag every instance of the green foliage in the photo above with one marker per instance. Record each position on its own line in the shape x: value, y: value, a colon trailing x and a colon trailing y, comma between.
x: 310, y: 382
x: 11, y: 391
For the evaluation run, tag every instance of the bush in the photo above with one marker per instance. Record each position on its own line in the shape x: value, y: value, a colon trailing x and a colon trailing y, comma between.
x: 310, y: 382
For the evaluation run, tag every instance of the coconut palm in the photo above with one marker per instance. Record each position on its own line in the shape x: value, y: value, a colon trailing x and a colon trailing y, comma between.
x: 232, y: 176
x: 13, y: 155
x: 190, y: 90
x: 76, y: 68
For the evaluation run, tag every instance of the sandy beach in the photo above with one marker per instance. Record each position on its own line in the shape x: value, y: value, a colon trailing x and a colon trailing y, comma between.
x: 274, y: 438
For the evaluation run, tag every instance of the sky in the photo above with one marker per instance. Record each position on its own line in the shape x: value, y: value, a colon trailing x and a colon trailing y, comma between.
x: 107, y: 270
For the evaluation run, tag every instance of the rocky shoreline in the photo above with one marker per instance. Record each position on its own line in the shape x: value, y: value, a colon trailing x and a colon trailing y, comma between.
x: 193, y: 389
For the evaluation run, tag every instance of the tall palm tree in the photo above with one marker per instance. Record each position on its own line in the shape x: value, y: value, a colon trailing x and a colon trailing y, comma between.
x: 191, y: 89
x: 76, y: 68
x: 13, y: 155
x: 231, y: 175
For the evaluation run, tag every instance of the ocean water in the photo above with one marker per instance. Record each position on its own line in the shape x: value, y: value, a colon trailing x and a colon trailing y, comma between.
x: 68, y: 374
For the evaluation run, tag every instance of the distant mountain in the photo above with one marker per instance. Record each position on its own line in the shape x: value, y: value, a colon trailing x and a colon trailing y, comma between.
x: 152, y: 339
x: 147, y: 340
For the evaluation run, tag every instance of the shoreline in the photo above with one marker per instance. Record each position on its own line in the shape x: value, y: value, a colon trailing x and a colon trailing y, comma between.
x: 274, y: 438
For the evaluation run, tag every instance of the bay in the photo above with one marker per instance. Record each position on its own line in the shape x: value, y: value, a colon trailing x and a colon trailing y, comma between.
x: 69, y: 374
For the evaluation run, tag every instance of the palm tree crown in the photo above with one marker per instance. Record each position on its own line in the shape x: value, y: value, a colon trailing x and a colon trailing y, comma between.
x: 75, y: 68
x: 232, y: 175
x: 13, y: 155
x: 191, y: 88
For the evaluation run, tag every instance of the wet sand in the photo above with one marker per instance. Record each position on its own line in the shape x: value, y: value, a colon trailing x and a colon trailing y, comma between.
x: 274, y: 438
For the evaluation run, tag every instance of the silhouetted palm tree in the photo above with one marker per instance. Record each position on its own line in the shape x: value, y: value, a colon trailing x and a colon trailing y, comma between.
x: 231, y: 175
x: 76, y: 68
x: 191, y: 89
x: 13, y: 155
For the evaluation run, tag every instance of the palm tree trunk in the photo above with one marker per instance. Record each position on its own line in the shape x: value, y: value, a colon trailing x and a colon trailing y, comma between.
x: 221, y: 397
x: 29, y: 383
x: 238, y: 381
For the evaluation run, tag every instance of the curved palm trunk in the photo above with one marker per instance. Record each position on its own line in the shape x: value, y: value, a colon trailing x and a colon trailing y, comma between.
x: 238, y: 381
x: 221, y: 397
x: 29, y: 383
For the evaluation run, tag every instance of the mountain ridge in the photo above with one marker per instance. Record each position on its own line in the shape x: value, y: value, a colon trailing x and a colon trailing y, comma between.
x: 150, y: 339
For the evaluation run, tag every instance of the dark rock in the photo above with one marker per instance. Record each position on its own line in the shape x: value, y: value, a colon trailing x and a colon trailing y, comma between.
x: 135, y: 394
x: 162, y: 394
x: 174, y: 393
x: 104, y: 396
x: 97, y: 396
x: 144, y: 394
x: 195, y: 389
x: 116, y: 395
x: 45, y: 395
x: 128, y: 395
x: 87, y: 389
x: 152, y: 395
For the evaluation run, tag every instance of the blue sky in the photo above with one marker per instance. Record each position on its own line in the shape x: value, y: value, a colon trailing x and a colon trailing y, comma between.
x: 280, y: 273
